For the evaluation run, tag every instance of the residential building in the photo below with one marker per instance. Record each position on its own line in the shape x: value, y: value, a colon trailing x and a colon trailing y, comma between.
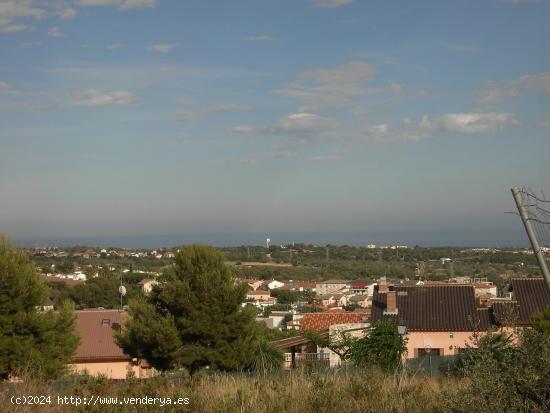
x: 146, y: 285
x: 273, y: 284
x: 361, y: 300
x: 439, y: 319
x: 98, y: 353
x: 331, y: 286
x: 531, y: 295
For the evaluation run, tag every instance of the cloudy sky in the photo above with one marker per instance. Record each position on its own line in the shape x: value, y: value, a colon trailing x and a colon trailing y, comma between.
x: 401, y: 118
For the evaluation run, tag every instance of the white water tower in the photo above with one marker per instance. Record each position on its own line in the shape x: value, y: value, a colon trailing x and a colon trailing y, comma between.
x: 267, y: 241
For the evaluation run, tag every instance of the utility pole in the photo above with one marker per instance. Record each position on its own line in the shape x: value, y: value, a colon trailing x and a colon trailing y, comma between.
x: 524, y: 214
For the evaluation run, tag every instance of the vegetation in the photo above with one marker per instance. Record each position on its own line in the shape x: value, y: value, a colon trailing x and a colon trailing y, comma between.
x: 194, y: 318
x: 353, y: 391
x: 382, y: 346
x: 500, y: 376
x: 30, y: 339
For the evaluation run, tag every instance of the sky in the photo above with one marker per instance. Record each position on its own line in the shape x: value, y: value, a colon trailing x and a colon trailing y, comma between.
x: 345, y: 120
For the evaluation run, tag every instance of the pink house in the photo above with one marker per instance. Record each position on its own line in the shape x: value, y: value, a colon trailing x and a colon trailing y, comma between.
x: 98, y: 353
x: 438, y: 319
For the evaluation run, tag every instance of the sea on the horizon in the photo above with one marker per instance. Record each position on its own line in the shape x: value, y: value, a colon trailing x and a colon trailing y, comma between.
x: 425, y: 239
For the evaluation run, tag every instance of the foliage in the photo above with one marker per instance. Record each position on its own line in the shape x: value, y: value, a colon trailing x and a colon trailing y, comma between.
x: 541, y: 321
x: 340, y: 342
x: 501, y: 376
x: 101, y: 292
x: 267, y: 358
x: 381, y: 346
x: 350, y: 391
x: 194, y: 318
x: 29, y: 339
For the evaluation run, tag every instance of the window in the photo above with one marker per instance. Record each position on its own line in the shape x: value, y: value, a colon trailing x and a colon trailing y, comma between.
x: 105, y: 322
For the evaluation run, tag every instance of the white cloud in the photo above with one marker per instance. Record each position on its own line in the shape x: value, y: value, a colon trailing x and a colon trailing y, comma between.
x: 7, y: 89
x: 325, y: 88
x: 67, y: 14
x: 260, y: 38
x: 98, y: 2
x: 331, y: 4
x: 55, y: 32
x: 475, y: 123
x: 95, y: 98
x: 496, y: 91
x: 295, y: 123
x: 14, y: 28
x: 116, y: 46
x: 122, y: 4
x: 138, y: 4
x: 324, y: 158
x: 275, y: 154
x: 4, y: 87
x: 11, y: 10
x: 193, y: 115
x: 162, y: 47
x: 461, y: 123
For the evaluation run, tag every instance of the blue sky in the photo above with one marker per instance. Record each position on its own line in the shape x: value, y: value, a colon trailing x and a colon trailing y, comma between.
x: 134, y: 117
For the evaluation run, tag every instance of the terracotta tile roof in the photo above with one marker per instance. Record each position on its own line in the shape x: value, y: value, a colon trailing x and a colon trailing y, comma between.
x: 532, y: 295
x: 322, y: 321
x: 432, y: 308
x: 96, y: 328
x: 258, y: 292
x: 333, y: 281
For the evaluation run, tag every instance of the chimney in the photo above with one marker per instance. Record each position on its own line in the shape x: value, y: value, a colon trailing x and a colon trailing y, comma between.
x: 391, y: 302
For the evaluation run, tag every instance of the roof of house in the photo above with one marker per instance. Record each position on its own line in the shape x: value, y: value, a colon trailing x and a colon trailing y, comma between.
x: 258, y: 292
x: 322, y: 321
x: 532, y: 295
x: 146, y: 281
x: 96, y: 329
x: 358, y: 298
x: 432, y: 308
x: 332, y: 281
x: 326, y: 296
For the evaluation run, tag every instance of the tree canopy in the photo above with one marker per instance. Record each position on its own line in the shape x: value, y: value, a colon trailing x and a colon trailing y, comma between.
x: 382, y: 346
x: 40, y: 342
x: 194, y: 317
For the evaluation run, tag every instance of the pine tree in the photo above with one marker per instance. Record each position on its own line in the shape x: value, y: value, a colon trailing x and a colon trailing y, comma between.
x: 194, y: 318
x: 40, y: 343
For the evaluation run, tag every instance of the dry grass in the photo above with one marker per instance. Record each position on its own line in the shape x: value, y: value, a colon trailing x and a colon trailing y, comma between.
x: 297, y: 391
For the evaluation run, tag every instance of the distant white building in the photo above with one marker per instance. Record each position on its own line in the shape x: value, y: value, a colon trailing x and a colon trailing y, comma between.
x: 273, y: 284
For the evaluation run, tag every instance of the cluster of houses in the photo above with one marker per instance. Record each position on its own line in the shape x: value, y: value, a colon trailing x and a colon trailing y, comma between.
x: 55, y: 252
x: 437, y: 318
x: 336, y: 294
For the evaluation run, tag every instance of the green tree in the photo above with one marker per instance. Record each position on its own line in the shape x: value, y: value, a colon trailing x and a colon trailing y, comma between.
x: 504, y: 375
x: 194, y: 318
x: 382, y: 346
x: 339, y: 341
x: 541, y: 321
x: 42, y: 343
